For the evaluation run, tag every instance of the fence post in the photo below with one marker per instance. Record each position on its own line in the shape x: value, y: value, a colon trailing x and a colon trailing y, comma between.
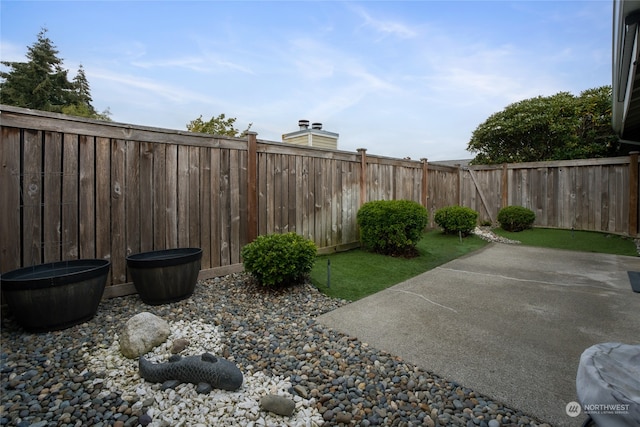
x: 505, y: 186
x: 459, y: 184
x: 633, y: 193
x: 424, y: 197
x: 363, y: 175
x: 252, y: 188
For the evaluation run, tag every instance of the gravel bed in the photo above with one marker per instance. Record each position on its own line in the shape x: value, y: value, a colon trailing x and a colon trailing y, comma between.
x: 76, y: 377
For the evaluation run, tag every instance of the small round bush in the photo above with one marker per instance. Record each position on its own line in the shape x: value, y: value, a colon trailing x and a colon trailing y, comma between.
x: 392, y: 227
x: 456, y: 219
x: 516, y: 218
x: 279, y: 259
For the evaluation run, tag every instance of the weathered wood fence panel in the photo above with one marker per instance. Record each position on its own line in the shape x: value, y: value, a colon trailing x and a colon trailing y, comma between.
x: 77, y: 188
x: 311, y: 192
x: 591, y: 194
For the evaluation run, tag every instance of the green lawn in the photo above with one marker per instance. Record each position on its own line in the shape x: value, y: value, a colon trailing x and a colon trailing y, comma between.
x: 356, y: 273
x: 586, y: 241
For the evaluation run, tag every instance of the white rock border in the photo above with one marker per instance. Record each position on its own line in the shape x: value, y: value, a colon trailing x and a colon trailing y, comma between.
x: 490, y: 236
x: 183, y: 406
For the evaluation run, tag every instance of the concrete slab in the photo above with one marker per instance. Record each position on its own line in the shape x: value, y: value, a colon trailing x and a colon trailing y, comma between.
x: 507, y: 321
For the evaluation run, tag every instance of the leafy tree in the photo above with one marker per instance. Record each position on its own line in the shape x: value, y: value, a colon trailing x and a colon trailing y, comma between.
x: 42, y: 83
x: 557, y: 127
x: 220, y: 125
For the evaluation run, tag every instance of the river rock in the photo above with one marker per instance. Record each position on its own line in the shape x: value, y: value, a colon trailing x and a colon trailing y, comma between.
x: 278, y: 405
x: 142, y: 333
x: 178, y: 345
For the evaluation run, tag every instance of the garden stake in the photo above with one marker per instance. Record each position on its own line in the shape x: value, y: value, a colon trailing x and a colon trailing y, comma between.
x: 328, y: 273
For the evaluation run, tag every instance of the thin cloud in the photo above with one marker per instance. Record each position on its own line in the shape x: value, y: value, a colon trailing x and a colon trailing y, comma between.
x: 201, y: 64
x: 146, y: 86
x: 385, y: 26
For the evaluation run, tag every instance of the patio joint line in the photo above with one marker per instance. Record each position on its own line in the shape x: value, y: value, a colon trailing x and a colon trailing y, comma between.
x: 424, y: 298
x: 531, y: 280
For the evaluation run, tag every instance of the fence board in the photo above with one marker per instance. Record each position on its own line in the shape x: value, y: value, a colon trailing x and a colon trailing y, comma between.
x: 51, y: 196
x: 299, y: 194
x: 87, y: 199
x: 118, y: 210
x: 132, y: 197
x: 171, y: 186
x: 10, y: 243
x: 243, y: 201
x: 216, y: 210
x: 70, y: 200
x: 263, y: 204
x: 32, y: 198
x: 103, y: 198
x: 194, y: 198
x: 183, y: 196
x: 307, y: 197
x: 317, y: 207
x: 205, y: 206
x: 234, y: 207
x: 225, y: 209
x: 160, y: 195
x: 292, y: 187
x: 146, y: 183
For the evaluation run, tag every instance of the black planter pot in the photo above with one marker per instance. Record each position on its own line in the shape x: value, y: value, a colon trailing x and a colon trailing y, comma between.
x: 56, y: 295
x: 165, y: 276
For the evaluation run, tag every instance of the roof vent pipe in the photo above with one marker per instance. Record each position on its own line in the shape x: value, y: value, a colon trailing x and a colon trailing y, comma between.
x: 304, y: 124
x: 317, y: 126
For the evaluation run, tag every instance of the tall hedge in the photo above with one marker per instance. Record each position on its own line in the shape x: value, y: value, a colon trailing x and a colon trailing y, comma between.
x: 392, y: 227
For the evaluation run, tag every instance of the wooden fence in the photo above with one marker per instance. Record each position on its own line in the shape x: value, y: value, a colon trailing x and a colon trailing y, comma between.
x: 589, y: 194
x: 76, y: 188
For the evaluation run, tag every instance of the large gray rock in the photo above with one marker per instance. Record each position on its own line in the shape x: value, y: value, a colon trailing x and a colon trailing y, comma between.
x: 142, y: 333
x: 278, y: 405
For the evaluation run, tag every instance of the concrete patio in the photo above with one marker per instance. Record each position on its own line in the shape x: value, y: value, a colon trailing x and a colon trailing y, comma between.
x: 508, y: 321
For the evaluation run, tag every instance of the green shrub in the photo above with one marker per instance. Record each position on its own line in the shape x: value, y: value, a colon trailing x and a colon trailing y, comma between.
x: 456, y: 219
x: 392, y: 227
x: 486, y: 223
x: 279, y: 259
x: 516, y: 218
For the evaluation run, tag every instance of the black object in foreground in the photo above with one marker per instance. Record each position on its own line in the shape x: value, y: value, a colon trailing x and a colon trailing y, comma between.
x: 200, y: 370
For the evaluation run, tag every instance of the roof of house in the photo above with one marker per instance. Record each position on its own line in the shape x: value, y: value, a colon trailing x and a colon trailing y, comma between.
x: 626, y: 73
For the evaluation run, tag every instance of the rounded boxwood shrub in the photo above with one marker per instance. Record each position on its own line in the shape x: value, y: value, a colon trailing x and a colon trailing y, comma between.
x: 279, y: 259
x: 456, y: 219
x: 392, y: 227
x: 516, y: 218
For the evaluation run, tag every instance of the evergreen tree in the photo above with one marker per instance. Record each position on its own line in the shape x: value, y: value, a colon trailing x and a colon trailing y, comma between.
x: 82, y: 92
x: 42, y: 83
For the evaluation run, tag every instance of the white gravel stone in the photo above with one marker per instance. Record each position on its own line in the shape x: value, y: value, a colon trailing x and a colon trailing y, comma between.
x: 183, y: 405
x: 488, y: 235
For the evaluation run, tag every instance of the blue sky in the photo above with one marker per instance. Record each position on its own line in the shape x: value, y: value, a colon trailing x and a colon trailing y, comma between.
x: 400, y: 78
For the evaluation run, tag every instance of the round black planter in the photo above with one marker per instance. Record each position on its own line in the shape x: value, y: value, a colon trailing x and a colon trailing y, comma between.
x: 165, y: 276
x: 56, y: 295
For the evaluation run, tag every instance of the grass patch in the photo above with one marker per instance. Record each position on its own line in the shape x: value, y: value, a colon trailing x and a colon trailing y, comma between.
x: 586, y: 241
x: 357, y: 273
